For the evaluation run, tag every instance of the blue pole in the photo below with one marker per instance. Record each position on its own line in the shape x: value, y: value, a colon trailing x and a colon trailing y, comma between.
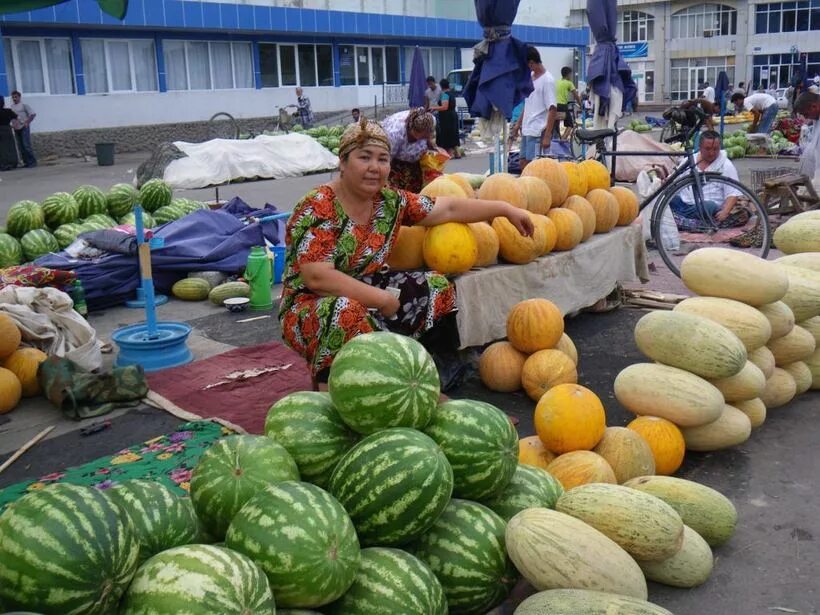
x: 144, y: 249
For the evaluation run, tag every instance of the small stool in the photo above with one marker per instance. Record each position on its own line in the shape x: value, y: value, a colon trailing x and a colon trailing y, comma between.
x: 782, y: 194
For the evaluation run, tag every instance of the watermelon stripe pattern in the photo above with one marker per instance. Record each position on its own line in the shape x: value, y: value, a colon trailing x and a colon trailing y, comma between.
x: 308, y: 426
x: 199, y: 580
x: 90, y: 200
x: 65, y: 234
x: 380, y: 380
x: 304, y: 541
x: 11, y: 252
x: 530, y: 487
x: 38, y: 242
x: 24, y: 216
x: 121, y: 199
x: 231, y: 472
x: 161, y: 519
x: 60, y: 208
x: 131, y: 218
x: 65, y: 549
x: 466, y: 550
x: 480, y: 443
x: 154, y: 194
x: 394, y: 484
x: 392, y: 581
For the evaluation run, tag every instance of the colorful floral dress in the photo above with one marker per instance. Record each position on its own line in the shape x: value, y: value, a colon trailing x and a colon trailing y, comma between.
x: 319, y: 230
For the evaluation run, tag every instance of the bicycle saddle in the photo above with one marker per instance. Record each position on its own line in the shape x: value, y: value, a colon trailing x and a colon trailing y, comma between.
x: 594, y: 135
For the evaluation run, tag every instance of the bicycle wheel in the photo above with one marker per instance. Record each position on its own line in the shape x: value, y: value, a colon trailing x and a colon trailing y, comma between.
x: 668, y: 131
x: 746, y: 229
x: 223, y: 126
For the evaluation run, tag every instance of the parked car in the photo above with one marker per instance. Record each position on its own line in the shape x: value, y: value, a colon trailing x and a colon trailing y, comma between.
x: 458, y: 78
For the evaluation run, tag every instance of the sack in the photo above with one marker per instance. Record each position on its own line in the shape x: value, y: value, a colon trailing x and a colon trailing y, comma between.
x: 648, y: 183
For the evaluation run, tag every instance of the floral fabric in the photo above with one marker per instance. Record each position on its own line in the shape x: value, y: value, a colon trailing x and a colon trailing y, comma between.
x: 320, y: 231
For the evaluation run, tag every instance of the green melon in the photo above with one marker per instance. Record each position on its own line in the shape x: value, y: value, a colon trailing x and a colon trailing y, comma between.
x: 465, y: 549
x: 586, y: 602
x: 530, y: 487
x: 481, y: 445
x: 131, y: 218
x: 232, y: 471
x: 90, y: 201
x: 199, y: 580
x: 391, y: 581
x: 304, y: 541
x: 154, y: 194
x: 121, y: 199
x: 228, y: 290
x: 394, y: 484
x: 38, y: 242
x: 161, y: 518
x: 60, y: 208
x: 167, y: 214
x: 187, y: 206
x: 191, y: 289
x: 308, y: 426
x: 65, y: 234
x: 11, y: 252
x: 103, y: 220
x: 65, y: 549
x: 380, y: 380
x: 24, y: 216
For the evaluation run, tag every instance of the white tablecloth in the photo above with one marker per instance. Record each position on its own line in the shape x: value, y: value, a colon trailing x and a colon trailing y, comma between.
x: 572, y: 280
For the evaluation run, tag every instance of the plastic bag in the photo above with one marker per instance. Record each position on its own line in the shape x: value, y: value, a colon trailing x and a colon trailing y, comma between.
x: 432, y: 164
x: 648, y: 183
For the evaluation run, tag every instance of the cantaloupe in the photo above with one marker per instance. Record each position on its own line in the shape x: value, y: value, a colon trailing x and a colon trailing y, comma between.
x: 628, y: 206
x: 597, y: 174
x: 748, y: 383
x: 450, y: 248
x: 514, y: 247
x: 606, y: 209
x: 503, y: 187
x: 755, y: 409
x: 581, y: 468
x: 577, y: 179
x: 537, y: 191
x: 408, y: 251
x: 443, y: 186
x: 550, y: 232
x: 569, y: 226
x: 797, y: 345
x: 551, y: 172
x: 500, y: 367
x: 764, y: 359
x: 626, y: 452
x: 801, y: 374
x: 487, y: 242
x: 10, y: 390
x: 10, y: 336
x: 462, y: 183
x: 25, y: 362
x: 586, y: 213
x: 545, y: 369
x: 780, y: 317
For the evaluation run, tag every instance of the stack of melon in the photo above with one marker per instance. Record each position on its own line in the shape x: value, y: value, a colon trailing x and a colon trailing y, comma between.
x: 18, y: 366
x: 536, y: 355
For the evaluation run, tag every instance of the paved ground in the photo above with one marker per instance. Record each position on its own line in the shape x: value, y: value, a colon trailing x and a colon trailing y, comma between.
x: 773, y: 563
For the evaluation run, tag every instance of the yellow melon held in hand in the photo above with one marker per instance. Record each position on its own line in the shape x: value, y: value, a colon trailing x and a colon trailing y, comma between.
x: 515, y: 247
x: 450, y: 248
x: 534, y: 324
x: 570, y: 417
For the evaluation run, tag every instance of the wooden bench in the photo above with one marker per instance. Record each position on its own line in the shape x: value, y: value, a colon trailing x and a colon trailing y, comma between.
x: 783, y: 194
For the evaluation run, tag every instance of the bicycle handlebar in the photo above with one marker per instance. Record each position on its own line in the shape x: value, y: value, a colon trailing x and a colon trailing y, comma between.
x: 682, y: 137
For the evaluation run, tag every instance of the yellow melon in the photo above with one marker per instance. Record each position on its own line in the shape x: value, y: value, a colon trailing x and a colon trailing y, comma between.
x: 450, y: 248
x: 532, y: 452
x: 534, y: 324
x: 577, y: 179
x: 606, y: 209
x: 500, y: 367
x: 24, y: 363
x: 503, y: 187
x: 553, y: 173
x: 462, y: 183
x: 665, y: 439
x: 442, y: 186
x: 408, y: 251
x: 487, y: 241
x: 627, y: 204
x: 569, y: 417
x: 9, y: 336
x: 550, y: 232
x: 10, y: 390
x: 582, y: 207
x: 569, y: 226
x: 539, y: 197
x: 545, y: 369
x: 581, y: 468
x: 597, y: 174
x: 567, y: 346
x: 515, y: 247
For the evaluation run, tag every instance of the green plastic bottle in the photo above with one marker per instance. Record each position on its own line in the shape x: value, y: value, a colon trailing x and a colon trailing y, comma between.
x: 259, y: 274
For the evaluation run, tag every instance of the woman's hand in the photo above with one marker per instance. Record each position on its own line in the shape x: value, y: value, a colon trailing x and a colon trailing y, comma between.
x: 521, y: 220
x: 390, y: 306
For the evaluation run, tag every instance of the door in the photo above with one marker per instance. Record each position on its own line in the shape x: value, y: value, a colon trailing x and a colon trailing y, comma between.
x: 697, y: 76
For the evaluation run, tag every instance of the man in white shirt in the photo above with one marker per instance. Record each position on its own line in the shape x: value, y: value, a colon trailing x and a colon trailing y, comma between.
x: 763, y: 107
x: 432, y: 95
x: 708, y: 92
x: 25, y: 116
x: 718, y: 198
x: 537, y: 121
x: 808, y: 105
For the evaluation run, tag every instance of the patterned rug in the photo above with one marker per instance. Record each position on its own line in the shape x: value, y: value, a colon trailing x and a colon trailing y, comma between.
x: 168, y: 459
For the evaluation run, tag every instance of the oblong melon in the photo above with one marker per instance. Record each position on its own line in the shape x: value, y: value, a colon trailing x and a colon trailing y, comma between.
x: 801, y: 374
x: 731, y: 274
x: 690, y: 342
x: 802, y: 235
x: 626, y: 452
x: 812, y: 325
x: 689, y: 567
x: 806, y: 260
x: 732, y: 428
x: 780, y: 317
x: 813, y: 363
x: 746, y: 384
x: 812, y: 214
x: 755, y: 409
x: 796, y: 345
x: 586, y: 602
x: 668, y: 392
x: 746, y: 322
x: 764, y: 359
x: 803, y: 296
x: 780, y: 389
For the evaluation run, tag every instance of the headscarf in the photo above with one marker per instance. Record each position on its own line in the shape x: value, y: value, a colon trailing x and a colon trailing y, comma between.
x: 420, y: 120
x: 362, y: 134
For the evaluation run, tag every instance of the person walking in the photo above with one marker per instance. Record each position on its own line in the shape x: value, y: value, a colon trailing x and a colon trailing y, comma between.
x: 537, y: 121
x: 303, y: 109
x: 22, y: 130
x: 432, y: 95
x: 447, y: 136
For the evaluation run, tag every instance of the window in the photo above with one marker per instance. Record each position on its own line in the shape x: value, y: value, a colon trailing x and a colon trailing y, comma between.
x: 324, y: 62
x: 438, y: 61
x: 201, y: 65
x: 688, y: 75
x: 119, y: 65
x: 307, y: 65
x: 777, y: 69
x: 636, y: 26
x: 704, y: 20
x: 787, y: 17
x: 392, y: 64
x: 269, y: 65
x: 39, y: 66
x: 347, y: 65
x: 363, y: 65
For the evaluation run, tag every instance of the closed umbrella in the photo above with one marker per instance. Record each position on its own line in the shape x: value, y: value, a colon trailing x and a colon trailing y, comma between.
x: 418, y: 81
x: 609, y: 75
x: 500, y: 78
x: 115, y: 8
x: 721, y: 90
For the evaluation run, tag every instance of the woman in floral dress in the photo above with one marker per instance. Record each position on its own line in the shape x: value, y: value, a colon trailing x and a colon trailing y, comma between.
x: 411, y: 134
x: 336, y: 282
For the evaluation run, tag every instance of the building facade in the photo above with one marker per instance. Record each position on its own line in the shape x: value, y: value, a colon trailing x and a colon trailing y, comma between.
x: 185, y: 60
x: 675, y: 46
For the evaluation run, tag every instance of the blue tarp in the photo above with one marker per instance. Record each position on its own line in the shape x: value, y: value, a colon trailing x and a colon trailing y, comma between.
x: 202, y: 241
x: 500, y: 77
x: 606, y: 66
x: 418, y: 80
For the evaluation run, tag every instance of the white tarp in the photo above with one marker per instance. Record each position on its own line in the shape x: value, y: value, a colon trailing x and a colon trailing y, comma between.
x: 219, y: 161
x: 572, y: 280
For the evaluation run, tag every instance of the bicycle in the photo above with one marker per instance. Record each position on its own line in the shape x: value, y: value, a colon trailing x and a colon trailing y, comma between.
x: 569, y: 132
x: 223, y: 126
x: 683, y: 182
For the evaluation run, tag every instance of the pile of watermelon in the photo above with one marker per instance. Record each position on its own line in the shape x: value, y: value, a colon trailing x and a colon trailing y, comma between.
x: 327, y: 136
x: 34, y: 229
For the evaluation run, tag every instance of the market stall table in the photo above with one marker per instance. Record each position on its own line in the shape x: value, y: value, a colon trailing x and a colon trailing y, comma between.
x: 572, y: 280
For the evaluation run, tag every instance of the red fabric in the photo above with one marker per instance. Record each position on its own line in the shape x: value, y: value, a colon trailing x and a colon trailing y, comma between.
x: 242, y: 402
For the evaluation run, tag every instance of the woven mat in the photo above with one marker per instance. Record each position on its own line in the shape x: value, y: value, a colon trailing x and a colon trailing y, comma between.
x: 238, y: 386
x: 168, y: 459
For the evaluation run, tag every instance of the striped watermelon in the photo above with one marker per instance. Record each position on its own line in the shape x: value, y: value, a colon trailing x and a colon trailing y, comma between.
x: 121, y: 199
x: 199, y: 580
x: 154, y: 194
x: 103, y: 220
x: 394, y: 484
x: 161, y: 518
x: 65, y: 549
x: 465, y: 549
x: 530, y: 487
x: 187, y: 205
x: 65, y: 234
x: 481, y: 445
x: 296, y: 612
x: 60, y: 208
x: 232, y: 471
x: 302, y: 538
x: 381, y: 380
x: 11, y: 252
x: 392, y: 581
x: 167, y: 214
x: 90, y: 200
x: 307, y: 424
x: 131, y: 218
x: 38, y: 242
x: 24, y: 216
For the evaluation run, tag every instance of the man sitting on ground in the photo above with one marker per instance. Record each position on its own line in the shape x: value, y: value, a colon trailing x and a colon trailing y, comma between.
x: 763, y: 107
x: 718, y: 198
